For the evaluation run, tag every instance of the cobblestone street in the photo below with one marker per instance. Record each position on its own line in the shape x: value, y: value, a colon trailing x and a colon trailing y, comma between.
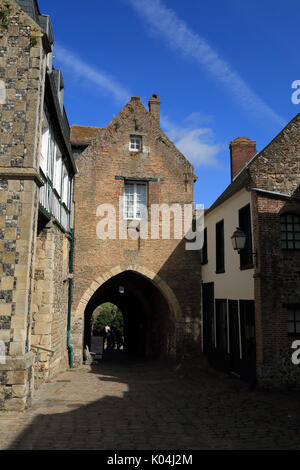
x: 143, y: 405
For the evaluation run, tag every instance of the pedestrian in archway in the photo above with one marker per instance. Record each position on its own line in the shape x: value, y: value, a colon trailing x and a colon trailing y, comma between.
x: 107, y: 334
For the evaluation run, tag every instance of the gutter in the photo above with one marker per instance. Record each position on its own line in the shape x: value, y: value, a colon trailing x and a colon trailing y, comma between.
x: 274, y: 193
x: 69, y: 346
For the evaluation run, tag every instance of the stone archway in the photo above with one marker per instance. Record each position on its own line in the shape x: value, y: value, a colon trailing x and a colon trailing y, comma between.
x: 93, y: 294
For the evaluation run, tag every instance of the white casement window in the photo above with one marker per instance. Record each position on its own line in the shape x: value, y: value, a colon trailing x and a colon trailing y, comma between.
x: 135, y: 144
x: 48, y: 149
x: 57, y: 172
x: 65, y: 189
x: 135, y: 201
x: 45, y: 145
x: 51, y: 154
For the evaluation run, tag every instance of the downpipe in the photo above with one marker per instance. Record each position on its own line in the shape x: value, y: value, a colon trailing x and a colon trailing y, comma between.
x: 69, y: 346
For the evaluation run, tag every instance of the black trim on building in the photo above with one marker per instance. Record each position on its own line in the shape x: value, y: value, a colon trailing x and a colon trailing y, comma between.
x: 246, y: 255
x: 220, y: 249
x: 204, y: 259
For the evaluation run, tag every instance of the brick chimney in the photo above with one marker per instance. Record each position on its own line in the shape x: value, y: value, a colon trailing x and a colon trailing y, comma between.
x: 241, y: 150
x: 154, y: 107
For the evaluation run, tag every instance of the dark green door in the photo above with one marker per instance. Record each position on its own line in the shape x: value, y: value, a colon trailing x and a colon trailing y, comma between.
x: 234, y: 336
x: 208, y: 317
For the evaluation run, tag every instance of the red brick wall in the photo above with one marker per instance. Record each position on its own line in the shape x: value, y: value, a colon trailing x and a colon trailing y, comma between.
x: 95, y: 184
x: 241, y: 150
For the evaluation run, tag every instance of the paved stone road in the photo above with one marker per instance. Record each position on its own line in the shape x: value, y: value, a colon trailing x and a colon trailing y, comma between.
x: 136, y: 405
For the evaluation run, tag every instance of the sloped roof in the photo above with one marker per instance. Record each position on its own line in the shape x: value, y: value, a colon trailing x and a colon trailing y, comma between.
x: 238, y: 183
x: 241, y: 179
x: 160, y: 134
x: 84, y: 134
x: 31, y: 7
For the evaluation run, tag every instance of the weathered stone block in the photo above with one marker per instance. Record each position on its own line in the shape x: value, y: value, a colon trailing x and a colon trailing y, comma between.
x: 10, y: 233
x: 21, y: 270
x: 19, y: 363
x: 3, y: 198
x: 17, y: 348
x: 12, y: 209
x: 7, y: 283
x: 15, y: 404
x: 9, y: 258
x: 5, y: 334
x: 19, y: 335
x: 42, y: 328
x: 7, y: 116
x: 16, y: 377
x: 19, y: 321
x: 11, y: 72
x: 20, y: 295
x: 35, y: 52
x: 19, y: 391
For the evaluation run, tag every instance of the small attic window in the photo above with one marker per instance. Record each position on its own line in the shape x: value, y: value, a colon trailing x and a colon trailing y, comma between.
x: 135, y: 143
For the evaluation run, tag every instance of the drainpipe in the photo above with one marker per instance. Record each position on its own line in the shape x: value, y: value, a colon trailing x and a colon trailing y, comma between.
x: 70, y: 348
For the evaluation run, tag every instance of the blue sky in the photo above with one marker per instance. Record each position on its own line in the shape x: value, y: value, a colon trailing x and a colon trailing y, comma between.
x: 222, y: 69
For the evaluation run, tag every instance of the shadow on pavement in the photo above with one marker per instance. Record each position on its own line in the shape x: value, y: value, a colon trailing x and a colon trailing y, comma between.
x: 161, y: 406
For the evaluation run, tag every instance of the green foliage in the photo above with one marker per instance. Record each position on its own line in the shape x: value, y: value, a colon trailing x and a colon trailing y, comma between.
x: 33, y: 41
x: 107, y: 314
x: 5, y: 11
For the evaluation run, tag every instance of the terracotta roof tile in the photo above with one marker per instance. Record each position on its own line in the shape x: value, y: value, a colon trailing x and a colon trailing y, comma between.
x: 83, y: 134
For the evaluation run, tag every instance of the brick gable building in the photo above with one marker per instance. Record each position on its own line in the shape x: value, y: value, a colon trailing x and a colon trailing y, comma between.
x: 133, y: 158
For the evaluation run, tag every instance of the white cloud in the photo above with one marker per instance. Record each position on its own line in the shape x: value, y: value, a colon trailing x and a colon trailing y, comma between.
x: 176, y: 33
x: 196, y: 143
x: 103, y: 81
x: 197, y: 118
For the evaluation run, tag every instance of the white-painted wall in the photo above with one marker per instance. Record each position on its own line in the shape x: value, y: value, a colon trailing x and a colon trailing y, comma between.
x: 234, y: 283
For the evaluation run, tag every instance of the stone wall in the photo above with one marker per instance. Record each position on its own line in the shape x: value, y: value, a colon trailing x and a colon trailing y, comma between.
x: 22, y: 69
x: 277, y: 273
x: 50, y: 299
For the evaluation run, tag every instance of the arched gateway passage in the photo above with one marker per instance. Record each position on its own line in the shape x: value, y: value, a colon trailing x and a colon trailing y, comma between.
x: 149, y: 315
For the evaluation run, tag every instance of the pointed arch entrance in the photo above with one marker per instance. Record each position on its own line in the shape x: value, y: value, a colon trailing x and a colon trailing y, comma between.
x: 149, y: 307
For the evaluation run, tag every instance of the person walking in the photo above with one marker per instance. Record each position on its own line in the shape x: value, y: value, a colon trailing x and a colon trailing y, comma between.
x: 106, y: 335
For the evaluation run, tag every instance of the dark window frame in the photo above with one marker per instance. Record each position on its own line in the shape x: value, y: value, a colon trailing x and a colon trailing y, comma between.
x: 204, y: 258
x: 246, y: 254
x: 285, y: 231
x: 220, y: 247
x: 247, y: 312
x: 294, y: 309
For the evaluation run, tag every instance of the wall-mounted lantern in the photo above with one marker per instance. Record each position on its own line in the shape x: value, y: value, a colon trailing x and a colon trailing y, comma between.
x: 121, y: 289
x: 238, y: 239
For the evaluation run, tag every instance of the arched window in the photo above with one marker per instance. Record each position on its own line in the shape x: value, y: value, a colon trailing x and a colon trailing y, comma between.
x: 290, y: 231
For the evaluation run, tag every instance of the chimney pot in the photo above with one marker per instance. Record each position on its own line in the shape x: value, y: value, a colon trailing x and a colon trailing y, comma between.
x: 154, y: 107
x: 241, y: 150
